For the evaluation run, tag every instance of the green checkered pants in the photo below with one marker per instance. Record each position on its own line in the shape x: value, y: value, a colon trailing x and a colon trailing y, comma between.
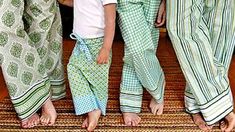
x: 203, y: 36
x: 141, y: 67
x: 31, y: 53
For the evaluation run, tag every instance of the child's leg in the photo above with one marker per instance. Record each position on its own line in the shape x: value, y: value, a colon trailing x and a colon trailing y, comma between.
x: 21, y: 62
x: 131, y: 93
x: 56, y: 71
x: 140, y: 50
x: 89, y: 83
x: 207, y: 77
x: 155, y: 106
x: 97, y: 76
x: 152, y: 78
x: 83, y: 97
x: 44, y: 29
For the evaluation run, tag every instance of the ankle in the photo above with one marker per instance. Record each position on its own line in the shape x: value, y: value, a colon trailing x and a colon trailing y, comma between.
x: 95, y: 111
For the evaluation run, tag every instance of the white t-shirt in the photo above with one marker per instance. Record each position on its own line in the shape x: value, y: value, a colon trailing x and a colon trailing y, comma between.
x: 89, y: 17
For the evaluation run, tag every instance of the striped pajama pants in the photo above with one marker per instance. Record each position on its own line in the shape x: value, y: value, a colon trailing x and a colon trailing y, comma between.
x: 31, y: 53
x: 141, y: 67
x: 203, y: 36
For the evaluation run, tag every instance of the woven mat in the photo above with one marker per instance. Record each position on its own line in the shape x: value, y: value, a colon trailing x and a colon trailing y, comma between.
x: 174, y: 118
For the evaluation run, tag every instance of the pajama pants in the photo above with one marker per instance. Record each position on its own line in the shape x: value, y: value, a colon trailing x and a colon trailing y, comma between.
x: 141, y: 67
x: 88, y: 80
x: 31, y: 53
x: 203, y: 36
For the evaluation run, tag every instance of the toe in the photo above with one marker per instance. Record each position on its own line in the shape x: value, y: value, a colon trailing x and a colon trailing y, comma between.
x: 91, y: 127
x: 24, y: 125
x: 154, y: 110
x: 160, y: 111
x: 44, y: 120
x: 128, y: 123
x: 84, y: 124
x: 136, y: 122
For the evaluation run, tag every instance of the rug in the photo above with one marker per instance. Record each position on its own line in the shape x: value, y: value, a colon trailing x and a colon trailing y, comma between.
x: 174, y: 119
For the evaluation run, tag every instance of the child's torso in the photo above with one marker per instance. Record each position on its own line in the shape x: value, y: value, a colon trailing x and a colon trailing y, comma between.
x: 88, y: 18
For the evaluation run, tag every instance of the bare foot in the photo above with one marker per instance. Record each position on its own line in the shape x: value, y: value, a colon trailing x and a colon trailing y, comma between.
x: 93, y: 118
x: 228, y: 123
x: 156, y: 108
x: 31, y: 121
x: 48, y: 113
x: 131, y: 119
x: 85, y: 123
x: 199, y: 121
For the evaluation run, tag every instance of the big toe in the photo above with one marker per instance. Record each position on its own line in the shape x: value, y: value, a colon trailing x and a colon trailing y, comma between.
x: 91, y: 127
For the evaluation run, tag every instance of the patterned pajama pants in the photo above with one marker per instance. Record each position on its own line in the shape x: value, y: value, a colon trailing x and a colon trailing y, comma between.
x: 88, y: 81
x: 141, y: 67
x: 203, y: 36
x: 30, y: 53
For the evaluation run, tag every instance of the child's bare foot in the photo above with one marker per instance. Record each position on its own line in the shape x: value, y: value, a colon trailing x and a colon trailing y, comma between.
x: 228, y: 123
x: 93, y: 118
x: 85, y: 123
x: 199, y: 121
x: 49, y: 114
x: 131, y: 119
x: 156, y: 108
x: 31, y: 121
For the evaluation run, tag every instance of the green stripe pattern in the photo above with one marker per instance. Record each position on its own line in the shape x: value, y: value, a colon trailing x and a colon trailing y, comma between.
x: 202, y: 33
x: 32, y: 100
x: 58, y: 89
x: 141, y: 67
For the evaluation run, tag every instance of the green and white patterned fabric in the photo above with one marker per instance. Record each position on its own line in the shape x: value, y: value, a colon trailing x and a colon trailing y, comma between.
x: 88, y: 80
x: 31, y: 53
x: 203, y: 36
x: 141, y: 67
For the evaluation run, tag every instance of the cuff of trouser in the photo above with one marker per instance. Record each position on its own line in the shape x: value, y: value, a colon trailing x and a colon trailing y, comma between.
x: 87, y: 104
x: 191, y: 105
x: 130, y: 109
x: 217, y: 108
x: 160, y: 100
x: 130, y: 103
x: 58, y: 89
x: 32, y: 100
x: 102, y: 105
